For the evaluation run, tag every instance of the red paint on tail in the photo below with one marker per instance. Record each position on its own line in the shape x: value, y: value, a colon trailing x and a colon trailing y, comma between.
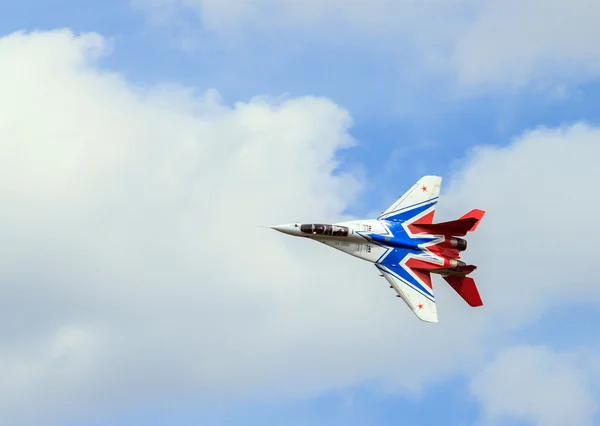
x: 474, y: 214
x: 457, y: 228
x: 466, y: 288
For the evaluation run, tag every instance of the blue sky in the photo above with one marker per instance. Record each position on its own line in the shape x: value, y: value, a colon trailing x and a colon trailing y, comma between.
x: 408, y: 120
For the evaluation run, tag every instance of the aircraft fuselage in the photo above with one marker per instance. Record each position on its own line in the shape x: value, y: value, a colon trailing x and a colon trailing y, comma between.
x: 406, y: 246
x: 366, y: 239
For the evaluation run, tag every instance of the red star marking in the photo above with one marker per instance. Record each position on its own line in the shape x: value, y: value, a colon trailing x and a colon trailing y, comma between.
x: 424, y: 188
x: 420, y: 306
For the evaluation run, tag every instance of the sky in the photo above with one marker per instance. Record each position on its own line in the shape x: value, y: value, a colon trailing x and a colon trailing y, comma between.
x: 144, y: 142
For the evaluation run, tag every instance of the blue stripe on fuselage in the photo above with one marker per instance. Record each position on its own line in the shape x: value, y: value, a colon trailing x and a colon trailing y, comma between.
x: 400, y: 244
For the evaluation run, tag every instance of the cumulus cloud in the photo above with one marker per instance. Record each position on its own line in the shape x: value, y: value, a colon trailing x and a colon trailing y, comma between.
x: 536, y: 385
x: 491, y: 42
x: 133, y: 270
x: 522, y: 41
x: 131, y: 218
x: 532, y: 189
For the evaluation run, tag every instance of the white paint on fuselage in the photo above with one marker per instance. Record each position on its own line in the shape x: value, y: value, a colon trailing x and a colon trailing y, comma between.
x: 355, y: 244
x: 363, y: 250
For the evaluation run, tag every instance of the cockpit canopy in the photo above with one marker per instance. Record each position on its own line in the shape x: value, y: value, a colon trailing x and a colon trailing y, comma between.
x: 327, y: 230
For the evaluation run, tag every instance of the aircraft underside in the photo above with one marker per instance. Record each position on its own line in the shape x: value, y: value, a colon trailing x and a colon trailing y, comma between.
x: 407, y: 247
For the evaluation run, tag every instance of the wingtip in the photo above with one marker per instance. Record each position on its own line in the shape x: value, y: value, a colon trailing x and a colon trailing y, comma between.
x: 431, y: 320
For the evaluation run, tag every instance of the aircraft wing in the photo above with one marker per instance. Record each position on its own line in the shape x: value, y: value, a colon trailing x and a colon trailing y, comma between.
x: 414, y: 287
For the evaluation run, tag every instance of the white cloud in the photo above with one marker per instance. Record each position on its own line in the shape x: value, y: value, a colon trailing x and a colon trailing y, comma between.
x: 537, y: 245
x: 519, y: 41
x: 130, y: 216
x: 491, y: 42
x: 132, y: 269
x: 536, y: 385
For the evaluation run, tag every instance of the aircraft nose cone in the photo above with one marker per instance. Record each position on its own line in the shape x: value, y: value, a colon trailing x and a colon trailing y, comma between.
x: 292, y: 229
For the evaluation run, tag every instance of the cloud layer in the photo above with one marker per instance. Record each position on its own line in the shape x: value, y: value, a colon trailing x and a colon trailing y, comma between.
x: 131, y: 231
x: 536, y: 385
x: 491, y: 42
x: 133, y: 269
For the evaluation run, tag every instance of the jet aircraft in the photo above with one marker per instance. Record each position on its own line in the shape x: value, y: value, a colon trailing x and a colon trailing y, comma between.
x: 406, y: 246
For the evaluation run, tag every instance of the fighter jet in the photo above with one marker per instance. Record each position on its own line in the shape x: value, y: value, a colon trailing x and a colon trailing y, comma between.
x: 406, y: 246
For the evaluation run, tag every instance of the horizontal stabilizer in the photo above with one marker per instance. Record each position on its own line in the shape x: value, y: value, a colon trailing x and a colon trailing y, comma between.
x: 474, y: 214
x: 464, y: 270
x: 459, y: 227
x: 466, y: 288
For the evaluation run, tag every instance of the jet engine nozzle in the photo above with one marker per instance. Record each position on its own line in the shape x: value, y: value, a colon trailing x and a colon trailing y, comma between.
x: 455, y: 263
x: 455, y: 243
